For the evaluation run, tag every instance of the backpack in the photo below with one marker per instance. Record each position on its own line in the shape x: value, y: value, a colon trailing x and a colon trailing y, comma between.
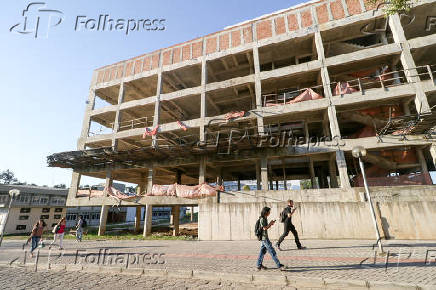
x: 84, y: 224
x: 283, y: 216
x: 258, y: 231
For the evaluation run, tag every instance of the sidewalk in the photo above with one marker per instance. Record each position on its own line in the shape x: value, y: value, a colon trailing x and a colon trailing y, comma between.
x: 409, y: 263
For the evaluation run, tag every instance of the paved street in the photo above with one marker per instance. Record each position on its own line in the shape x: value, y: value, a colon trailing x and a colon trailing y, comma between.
x: 408, y: 262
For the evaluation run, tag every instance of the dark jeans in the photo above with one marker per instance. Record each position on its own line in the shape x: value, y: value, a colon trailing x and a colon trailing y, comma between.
x: 289, y: 227
x: 267, y: 246
x: 35, y: 241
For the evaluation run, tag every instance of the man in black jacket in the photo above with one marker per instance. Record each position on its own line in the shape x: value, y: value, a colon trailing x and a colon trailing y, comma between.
x: 288, y: 226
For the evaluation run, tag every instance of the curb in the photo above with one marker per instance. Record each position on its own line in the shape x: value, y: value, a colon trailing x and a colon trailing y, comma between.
x: 261, y: 279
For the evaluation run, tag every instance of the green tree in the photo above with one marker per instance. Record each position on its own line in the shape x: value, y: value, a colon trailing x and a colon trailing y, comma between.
x: 306, y: 184
x: 7, y: 177
x: 392, y: 7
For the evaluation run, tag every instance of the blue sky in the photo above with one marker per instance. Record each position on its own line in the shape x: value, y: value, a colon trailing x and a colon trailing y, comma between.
x: 45, y: 81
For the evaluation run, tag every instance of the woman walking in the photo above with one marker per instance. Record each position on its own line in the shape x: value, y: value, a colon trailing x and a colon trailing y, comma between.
x: 266, y: 243
x: 59, y: 231
x: 36, y: 236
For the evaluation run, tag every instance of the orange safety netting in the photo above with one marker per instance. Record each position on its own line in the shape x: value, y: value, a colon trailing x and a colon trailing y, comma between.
x: 186, y: 191
x: 366, y: 131
x: 383, y: 111
x: 149, y: 132
x: 183, y: 126
x: 234, y: 115
x: 343, y: 88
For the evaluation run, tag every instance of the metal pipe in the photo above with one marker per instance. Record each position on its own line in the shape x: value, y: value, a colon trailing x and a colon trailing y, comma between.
x: 371, y: 207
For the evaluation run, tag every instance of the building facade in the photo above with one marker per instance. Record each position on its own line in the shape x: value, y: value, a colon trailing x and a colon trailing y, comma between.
x: 284, y: 97
x: 33, y: 203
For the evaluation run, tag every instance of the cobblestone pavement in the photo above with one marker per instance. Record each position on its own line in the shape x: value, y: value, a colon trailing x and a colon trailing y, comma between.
x: 411, y: 262
x: 13, y: 278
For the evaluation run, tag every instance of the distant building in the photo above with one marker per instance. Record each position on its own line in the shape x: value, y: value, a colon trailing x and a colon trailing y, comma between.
x: 34, y: 203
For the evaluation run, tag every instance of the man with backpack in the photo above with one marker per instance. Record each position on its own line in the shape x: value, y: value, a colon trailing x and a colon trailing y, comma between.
x: 261, y: 231
x: 286, y: 219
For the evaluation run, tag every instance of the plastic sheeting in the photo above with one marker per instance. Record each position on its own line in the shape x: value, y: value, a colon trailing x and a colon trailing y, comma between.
x: 185, y: 191
x: 113, y: 192
x: 343, y: 88
x: 89, y: 193
x: 234, y: 115
x: 307, y: 95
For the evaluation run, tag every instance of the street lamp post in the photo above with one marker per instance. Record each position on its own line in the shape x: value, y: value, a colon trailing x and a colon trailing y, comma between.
x: 359, y: 152
x: 12, y: 193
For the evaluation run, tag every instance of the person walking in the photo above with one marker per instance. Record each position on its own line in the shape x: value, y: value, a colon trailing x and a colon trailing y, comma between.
x: 36, y: 236
x: 266, y: 243
x: 79, y: 229
x: 58, y: 232
x: 286, y: 218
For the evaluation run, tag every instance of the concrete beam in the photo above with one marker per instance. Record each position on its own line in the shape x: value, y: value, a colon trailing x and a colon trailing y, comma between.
x: 264, y: 172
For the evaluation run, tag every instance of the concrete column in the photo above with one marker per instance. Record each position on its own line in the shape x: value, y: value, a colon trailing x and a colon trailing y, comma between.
x: 75, y: 183
x: 258, y: 86
x: 342, y: 167
x: 277, y: 185
x: 192, y: 213
x: 138, y: 219
x: 150, y: 180
x: 408, y: 63
x: 264, y: 172
x: 143, y: 184
x: 156, y: 118
x: 433, y: 153
x: 109, y: 180
x: 258, y: 176
x: 285, y: 186
x: 147, y: 220
x: 87, y: 118
x: 103, y: 220
x: 178, y: 177
x: 176, y: 218
x: 313, y: 179
x: 202, y: 173
x: 270, y: 175
x: 333, y: 173
x: 118, y: 116
x: 239, y: 184
x: 406, y: 108
x: 422, y: 161
x: 203, y: 101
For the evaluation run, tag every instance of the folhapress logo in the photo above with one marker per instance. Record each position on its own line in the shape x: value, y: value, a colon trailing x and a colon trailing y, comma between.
x: 37, y: 20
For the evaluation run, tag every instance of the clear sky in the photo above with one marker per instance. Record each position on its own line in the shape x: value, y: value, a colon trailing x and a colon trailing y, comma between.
x: 45, y: 81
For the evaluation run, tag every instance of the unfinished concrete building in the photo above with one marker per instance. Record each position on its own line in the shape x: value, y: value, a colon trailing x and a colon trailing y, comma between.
x: 282, y: 97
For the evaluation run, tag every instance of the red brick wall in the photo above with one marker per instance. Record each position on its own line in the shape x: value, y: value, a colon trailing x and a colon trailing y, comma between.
x: 211, y: 44
x: 353, y: 7
x: 147, y: 63
x: 322, y: 14
x: 306, y: 18
x: 155, y: 61
x: 197, y: 49
x: 236, y: 38
x: 280, y: 25
x: 224, y: 41
x: 248, y: 34
x: 337, y: 10
x: 292, y: 22
x: 166, y: 57
x: 263, y: 29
